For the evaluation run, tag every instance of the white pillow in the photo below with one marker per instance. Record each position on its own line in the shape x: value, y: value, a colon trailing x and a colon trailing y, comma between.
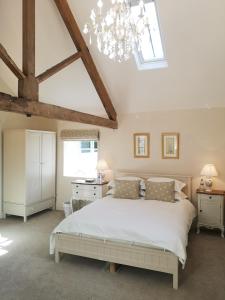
x: 179, y: 185
x: 180, y: 196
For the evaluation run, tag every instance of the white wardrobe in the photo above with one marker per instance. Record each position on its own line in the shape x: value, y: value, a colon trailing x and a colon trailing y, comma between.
x: 29, y: 171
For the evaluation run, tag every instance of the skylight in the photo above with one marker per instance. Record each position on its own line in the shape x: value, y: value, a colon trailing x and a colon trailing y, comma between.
x: 151, y: 54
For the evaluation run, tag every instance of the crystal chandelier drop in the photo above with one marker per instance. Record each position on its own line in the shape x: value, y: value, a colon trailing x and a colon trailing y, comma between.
x: 119, y: 31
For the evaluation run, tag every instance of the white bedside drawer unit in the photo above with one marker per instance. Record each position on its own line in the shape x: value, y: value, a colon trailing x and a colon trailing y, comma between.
x: 87, y: 192
x: 211, y: 210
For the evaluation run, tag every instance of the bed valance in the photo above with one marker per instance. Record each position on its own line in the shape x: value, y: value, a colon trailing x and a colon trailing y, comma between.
x: 81, y: 134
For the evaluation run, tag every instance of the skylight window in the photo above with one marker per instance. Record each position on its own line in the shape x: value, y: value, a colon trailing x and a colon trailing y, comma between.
x: 151, y: 54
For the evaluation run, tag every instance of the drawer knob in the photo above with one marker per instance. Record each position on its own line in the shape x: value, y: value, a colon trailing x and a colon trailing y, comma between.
x: 94, y: 187
x: 200, y: 210
x: 210, y: 197
x: 94, y: 194
x: 76, y: 192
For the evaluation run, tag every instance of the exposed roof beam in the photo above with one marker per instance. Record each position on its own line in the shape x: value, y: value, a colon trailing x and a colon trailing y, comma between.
x: 58, y: 67
x: 80, y: 44
x: 29, y: 37
x: 35, y: 108
x: 10, y: 63
x: 28, y: 87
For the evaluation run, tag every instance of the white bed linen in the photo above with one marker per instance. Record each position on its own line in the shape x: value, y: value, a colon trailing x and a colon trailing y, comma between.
x: 143, y: 222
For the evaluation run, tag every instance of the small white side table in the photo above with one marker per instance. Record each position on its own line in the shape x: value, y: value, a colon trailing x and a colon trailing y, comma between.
x: 211, y: 210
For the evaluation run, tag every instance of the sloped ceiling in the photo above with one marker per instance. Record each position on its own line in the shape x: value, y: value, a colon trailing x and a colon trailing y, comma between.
x: 193, y: 33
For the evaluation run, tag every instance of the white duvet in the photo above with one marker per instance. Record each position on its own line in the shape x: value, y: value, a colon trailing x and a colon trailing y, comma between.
x: 143, y: 222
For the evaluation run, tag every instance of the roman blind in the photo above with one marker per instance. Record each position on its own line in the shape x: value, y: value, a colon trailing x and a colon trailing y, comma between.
x: 81, y: 134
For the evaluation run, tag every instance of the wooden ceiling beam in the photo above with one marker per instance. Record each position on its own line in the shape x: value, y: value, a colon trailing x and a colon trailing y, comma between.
x: 35, y: 108
x: 27, y: 101
x: 10, y: 63
x: 58, y: 67
x: 28, y: 87
x: 80, y: 44
x: 29, y: 37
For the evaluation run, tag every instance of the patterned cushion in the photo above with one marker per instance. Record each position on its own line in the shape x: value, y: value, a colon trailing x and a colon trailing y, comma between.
x: 163, y: 191
x: 127, y: 189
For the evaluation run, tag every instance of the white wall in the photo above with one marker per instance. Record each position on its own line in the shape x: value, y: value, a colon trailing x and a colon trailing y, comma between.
x: 202, y: 140
x: 11, y: 120
x: 4, y: 88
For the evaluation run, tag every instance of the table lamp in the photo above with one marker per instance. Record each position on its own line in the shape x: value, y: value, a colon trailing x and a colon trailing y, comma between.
x: 209, y: 171
x: 101, y: 167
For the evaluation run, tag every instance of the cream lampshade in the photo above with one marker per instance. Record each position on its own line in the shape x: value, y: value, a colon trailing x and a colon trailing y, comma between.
x: 209, y: 171
x: 101, y: 167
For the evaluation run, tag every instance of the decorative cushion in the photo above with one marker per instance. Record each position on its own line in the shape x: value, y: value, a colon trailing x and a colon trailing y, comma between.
x: 163, y: 191
x: 111, y: 184
x: 127, y: 189
x: 179, y: 185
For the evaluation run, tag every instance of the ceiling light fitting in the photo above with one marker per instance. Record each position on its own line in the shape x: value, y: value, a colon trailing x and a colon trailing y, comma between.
x: 118, y: 32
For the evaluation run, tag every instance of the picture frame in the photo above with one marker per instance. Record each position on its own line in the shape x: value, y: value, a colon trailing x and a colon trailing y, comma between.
x: 170, y: 145
x: 141, y: 145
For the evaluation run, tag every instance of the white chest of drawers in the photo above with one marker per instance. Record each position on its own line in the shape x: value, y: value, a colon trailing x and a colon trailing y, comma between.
x: 211, y: 210
x: 83, y: 193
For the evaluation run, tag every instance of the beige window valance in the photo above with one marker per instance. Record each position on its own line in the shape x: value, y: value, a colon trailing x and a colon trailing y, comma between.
x: 72, y: 134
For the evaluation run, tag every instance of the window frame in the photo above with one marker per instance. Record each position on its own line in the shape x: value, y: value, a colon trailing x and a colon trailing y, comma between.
x: 92, y: 147
x: 157, y: 63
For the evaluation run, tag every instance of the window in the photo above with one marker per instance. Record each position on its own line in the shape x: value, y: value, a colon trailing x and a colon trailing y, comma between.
x: 151, y: 54
x: 80, y: 159
x: 89, y: 146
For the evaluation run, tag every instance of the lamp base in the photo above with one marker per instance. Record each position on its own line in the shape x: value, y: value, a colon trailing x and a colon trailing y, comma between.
x: 208, y: 184
x: 101, y: 177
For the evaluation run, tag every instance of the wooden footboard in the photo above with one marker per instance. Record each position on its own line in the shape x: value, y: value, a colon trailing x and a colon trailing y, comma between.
x: 155, y: 259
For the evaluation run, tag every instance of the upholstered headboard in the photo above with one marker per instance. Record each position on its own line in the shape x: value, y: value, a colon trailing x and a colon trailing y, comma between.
x: 145, y: 175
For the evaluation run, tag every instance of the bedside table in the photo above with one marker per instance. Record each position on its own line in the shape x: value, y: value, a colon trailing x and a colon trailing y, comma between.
x: 84, y: 193
x: 211, y: 210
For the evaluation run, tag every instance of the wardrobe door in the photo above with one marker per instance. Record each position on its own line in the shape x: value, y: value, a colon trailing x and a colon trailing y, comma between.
x: 33, y: 167
x: 48, y: 159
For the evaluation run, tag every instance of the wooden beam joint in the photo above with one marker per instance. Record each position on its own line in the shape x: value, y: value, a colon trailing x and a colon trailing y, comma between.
x: 28, y: 88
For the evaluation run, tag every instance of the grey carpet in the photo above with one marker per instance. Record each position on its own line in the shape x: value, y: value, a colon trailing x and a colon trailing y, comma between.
x: 28, y: 273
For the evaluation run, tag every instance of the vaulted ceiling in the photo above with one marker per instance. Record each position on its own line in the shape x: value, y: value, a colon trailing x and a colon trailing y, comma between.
x: 193, y: 33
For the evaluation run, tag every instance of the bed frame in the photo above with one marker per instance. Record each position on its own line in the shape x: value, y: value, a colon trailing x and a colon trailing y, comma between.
x: 152, y: 258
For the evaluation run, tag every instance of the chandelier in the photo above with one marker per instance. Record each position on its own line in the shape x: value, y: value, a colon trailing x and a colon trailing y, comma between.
x: 119, y: 31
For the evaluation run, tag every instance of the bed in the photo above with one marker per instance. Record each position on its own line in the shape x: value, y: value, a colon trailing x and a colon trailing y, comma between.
x: 129, y: 232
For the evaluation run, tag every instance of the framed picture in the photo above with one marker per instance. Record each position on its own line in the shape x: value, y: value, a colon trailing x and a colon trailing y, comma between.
x: 170, y: 145
x: 141, y: 145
